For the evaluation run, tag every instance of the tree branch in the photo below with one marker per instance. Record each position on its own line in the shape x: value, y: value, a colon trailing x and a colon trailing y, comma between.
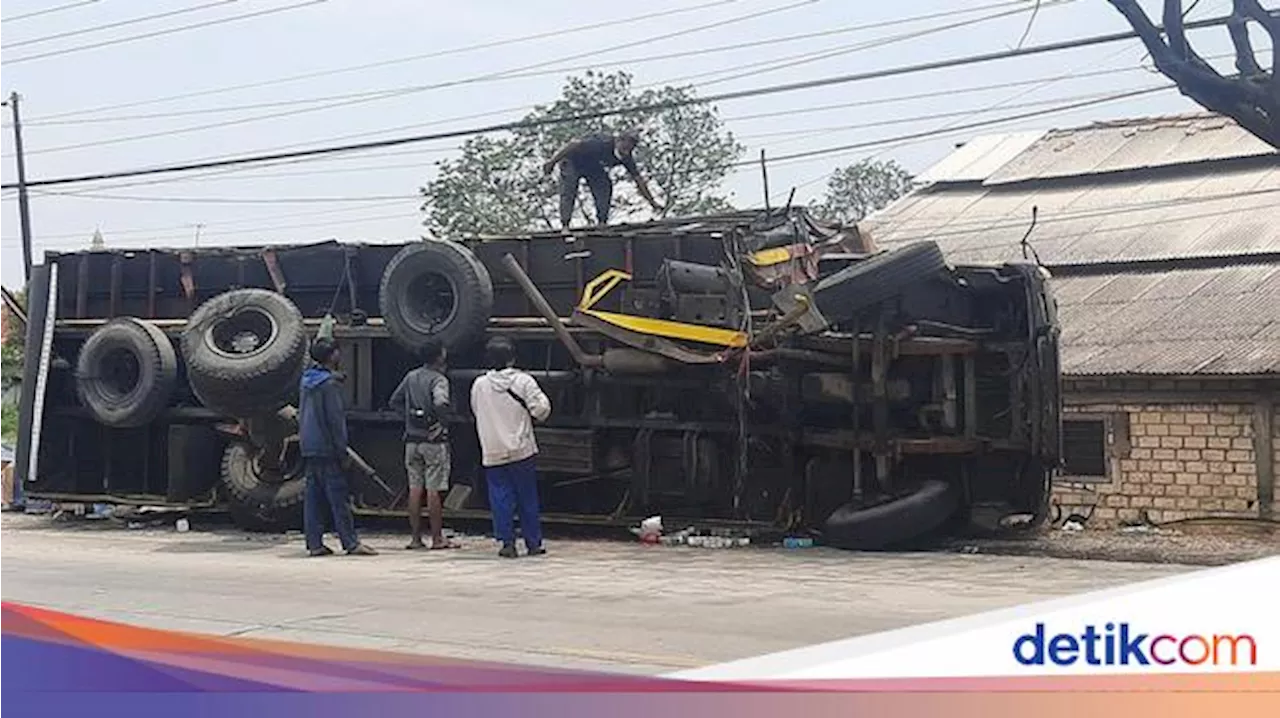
x: 1252, y: 100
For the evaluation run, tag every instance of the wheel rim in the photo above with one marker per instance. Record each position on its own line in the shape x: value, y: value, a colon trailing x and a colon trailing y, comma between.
x: 120, y: 374
x: 244, y: 333
x: 430, y: 302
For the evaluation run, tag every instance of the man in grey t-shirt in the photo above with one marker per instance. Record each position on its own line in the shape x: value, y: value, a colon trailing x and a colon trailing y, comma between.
x: 422, y: 398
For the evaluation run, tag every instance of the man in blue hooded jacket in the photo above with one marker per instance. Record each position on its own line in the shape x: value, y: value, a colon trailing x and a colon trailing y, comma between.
x: 322, y: 436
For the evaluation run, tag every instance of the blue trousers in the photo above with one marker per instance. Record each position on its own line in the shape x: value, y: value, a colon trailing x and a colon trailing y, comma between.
x: 514, y: 488
x: 327, y: 484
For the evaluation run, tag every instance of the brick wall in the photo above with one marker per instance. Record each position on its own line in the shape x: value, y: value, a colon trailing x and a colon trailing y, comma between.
x: 1171, y: 461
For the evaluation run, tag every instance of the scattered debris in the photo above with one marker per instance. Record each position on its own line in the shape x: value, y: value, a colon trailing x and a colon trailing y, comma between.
x: 182, y: 525
x: 797, y: 542
x: 1072, y: 526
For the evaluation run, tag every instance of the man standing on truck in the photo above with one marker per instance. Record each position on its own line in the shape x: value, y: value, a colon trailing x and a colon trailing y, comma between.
x: 322, y: 437
x: 423, y: 398
x: 505, y: 402
x: 590, y: 158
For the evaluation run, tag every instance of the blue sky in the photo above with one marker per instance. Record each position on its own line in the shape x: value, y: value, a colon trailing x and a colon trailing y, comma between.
x: 335, y: 34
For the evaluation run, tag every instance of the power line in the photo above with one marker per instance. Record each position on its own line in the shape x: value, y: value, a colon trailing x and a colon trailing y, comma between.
x: 167, y: 31
x: 383, y: 63
x: 222, y: 224
x: 439, y: 85
x: 47, y: 11
x: 511, y: 74
x: 525, y: 124
x: 789, y: 112
x: 743, y: 163
x: 236, y: 200
x: 120, y: 23
x: 958, y: 128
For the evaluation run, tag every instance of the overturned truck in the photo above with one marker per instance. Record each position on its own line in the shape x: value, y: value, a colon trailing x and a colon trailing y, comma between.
x: 760, y: 369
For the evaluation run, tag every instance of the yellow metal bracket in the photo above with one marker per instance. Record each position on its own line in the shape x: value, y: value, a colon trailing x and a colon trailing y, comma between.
x: 596, y: 290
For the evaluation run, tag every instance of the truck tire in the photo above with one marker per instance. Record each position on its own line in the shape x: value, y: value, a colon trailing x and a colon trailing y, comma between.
x: 259, y: 499
x: 893, y: 522
x: 436, y: 289
x: 245, y: 351
x: 867, y: 283
x: 125, y: 372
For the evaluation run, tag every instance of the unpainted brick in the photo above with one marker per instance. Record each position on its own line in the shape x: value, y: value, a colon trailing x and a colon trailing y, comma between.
x: 1165, y: 502
x: 1239, y: 455
x: 1233, y: 430
x: 1238, y: 505
x: 1196, y: 418
x: 1139, y: 477
x: 1139, y: 502
x: 1198, y: 467
x: 1176, y: 490
x: 1128, y: 465
x: 1224, y: 492
x: 1180, y: 430
x: 1195, y: 442
x: 1116, y: 501
x: 1138, y: 430
x: 1164, y: 454
x: 1212, y: 479
x: 1219, y: 419
x: 1246, y: 468
x: 1172, y: 417
x: 1211, y: 505
x: 1188, y: 454
x: 1140, y: 453
x: 1170, y: 442
x: 1149, y: 465
x: 1104, y: 513
x: 1186, y: 479
x: 1162, y: 477
x: 1242, y: 419
x: 1218, y: 442
x: 1199, y: 491
x: 1248, y: 493
x: 1189, y: 502
x: 1153, y: 489
x: 1147, y: 442
x: 1246, y: 444
x: 1213, y: 454
x: 1204, y: 430
x: 1149, y: 417
x: 1127, y: 514
x: 1235, y: 480
x: 1156, y: 429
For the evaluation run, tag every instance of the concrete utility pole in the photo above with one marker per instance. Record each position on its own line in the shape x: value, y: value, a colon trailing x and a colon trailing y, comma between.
x: 24, y: 207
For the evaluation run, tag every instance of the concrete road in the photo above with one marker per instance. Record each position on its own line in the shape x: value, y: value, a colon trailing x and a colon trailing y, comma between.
x: 588, y: 604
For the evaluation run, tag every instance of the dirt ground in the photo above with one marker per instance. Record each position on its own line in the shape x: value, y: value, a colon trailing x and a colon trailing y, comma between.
x: 602, y: 604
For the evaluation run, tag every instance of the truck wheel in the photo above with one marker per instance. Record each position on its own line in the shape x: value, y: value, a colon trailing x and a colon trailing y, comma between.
x: 867, y: 283
x: 436, y: 289
x: 245, y: 351
x: 893, y: 522
x: 261, y: 499
x: 126, y: 372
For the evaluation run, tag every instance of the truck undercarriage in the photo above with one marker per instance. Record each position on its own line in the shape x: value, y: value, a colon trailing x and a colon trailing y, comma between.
x: 759, y: 368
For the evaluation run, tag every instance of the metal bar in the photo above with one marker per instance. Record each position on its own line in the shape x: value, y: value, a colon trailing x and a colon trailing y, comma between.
x: 970, y: 397
x: 116, y: 271
x: 949, y: 396
x: 539, y: 301
x: 1264, y: 422
x: 151, y: 285
x: 24, y: 206
x: 82, y: 286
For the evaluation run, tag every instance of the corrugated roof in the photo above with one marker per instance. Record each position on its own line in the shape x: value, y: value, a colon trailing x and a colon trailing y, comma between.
x: 1131, y: 145
x: 1192, y: 321
x: 975, y: 160
x: 1133, y: 192
x: 1206, y: 209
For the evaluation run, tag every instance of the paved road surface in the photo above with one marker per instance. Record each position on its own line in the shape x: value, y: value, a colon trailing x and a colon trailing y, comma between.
x: 604, y: 605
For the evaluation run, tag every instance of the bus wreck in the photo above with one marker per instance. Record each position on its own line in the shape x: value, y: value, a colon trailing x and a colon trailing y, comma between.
x: 760, y: 369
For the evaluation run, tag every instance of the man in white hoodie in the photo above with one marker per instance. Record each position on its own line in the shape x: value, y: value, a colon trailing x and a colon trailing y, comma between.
x: 506, y: 402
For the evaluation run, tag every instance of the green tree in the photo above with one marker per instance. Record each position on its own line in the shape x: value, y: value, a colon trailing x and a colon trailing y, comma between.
x: 11, y: 353
x: 856, y: 190
x: 497, y: 185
